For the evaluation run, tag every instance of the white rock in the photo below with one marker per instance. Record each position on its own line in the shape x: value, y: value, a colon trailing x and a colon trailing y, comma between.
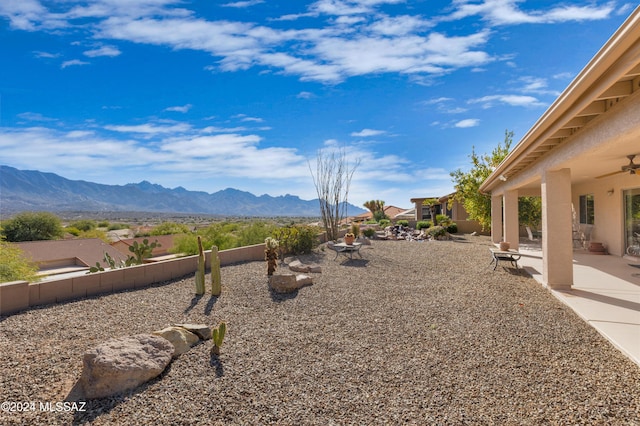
x: 123, y: 364
x: 181, y: 339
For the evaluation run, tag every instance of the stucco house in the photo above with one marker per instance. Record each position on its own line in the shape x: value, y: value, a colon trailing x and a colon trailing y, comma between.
x: 578, y: 157
x: 456, y: 212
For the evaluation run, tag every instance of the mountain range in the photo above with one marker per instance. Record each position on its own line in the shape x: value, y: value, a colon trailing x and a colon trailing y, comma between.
x: 29, y: 190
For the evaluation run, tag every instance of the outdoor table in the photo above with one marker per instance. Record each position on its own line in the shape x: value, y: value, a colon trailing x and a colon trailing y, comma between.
x: 505, y: 255
x: 345, y: 248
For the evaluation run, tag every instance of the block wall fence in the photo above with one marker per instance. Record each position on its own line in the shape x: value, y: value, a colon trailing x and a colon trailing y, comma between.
x: 16, y: 296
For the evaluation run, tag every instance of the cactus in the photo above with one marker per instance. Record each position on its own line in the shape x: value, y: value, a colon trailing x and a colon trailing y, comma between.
x: 217, y: 336
x: 216, y: 284
x: 141, y: 251
x: 200, y: 271
x: 271, y: 254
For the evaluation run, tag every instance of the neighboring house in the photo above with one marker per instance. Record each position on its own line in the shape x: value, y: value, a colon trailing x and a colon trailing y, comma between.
x: 457, y: 213
x: 390, y: 211
x: 576, y: 158
x: 162, y: 251
x: 62, y: 256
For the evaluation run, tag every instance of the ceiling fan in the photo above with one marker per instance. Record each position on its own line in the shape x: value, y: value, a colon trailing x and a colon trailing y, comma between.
x: 630, y: 168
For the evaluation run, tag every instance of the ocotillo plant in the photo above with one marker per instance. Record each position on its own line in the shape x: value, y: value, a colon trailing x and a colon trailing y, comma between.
x: 217, y: 335
x: 216, y: 284
x: 200, y: 271
x: 271, y: 254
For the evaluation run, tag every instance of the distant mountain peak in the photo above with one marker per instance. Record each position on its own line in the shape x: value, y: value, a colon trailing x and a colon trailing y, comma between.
x: 22, y: 190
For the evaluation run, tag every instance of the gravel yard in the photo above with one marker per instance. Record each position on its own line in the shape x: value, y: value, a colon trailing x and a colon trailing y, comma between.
x: 414, y: 333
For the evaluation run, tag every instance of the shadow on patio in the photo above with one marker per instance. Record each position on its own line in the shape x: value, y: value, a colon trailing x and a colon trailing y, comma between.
x: 605, y: 293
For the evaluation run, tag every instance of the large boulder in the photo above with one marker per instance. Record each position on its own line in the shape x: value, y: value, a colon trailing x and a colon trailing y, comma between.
x: 180, y: 338
x: 288, y: 283
x: 123, y: 364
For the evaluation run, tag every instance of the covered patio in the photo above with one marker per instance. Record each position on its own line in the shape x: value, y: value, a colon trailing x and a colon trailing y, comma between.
x: 605, y: 293
x: 578, y: 157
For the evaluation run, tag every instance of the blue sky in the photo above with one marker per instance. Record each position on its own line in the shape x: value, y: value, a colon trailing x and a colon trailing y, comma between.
x: 209, y: 94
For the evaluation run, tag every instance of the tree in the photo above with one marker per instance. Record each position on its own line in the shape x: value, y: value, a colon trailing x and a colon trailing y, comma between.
x: 467, y: 185
x: 376, y: 207
x: 432, y: 203
x: 530, y: 211
x: 331, y: 180
x: 32, y: 226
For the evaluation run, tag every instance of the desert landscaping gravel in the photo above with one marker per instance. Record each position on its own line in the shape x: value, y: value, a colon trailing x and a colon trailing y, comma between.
x: 414, y: 333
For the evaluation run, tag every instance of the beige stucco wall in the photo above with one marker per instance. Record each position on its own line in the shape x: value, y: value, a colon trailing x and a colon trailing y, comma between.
x: 608, y: 209
x: 19, y: 295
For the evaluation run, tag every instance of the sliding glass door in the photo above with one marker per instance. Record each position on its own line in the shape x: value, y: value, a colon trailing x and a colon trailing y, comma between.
x: 632, y: 221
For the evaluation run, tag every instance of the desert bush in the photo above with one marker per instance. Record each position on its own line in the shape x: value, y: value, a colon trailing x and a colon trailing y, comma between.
x: 254, y: 233
x: 443, y: 220
x: 423, y: 224
x: 452, y: 228
x: 355, y: 229
x: 402, y: 222
x: 72, y: 230
x: 384, y: 223
x: 32, y: 226
x: 437, y: 232
x: 115, y: 226
x: 297, y: 239
x: 369, y: 232
x: 15, y: 265
x: 169, y: 228
x: 84, y: 224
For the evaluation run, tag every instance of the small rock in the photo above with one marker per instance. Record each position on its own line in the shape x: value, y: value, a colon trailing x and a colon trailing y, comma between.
x: 297, y: 266
x: 203, y: 331
x: 180, y: 338
x: 123, y: 364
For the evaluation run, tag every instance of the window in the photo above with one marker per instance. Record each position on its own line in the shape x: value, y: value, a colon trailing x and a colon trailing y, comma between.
x: 586, y: 209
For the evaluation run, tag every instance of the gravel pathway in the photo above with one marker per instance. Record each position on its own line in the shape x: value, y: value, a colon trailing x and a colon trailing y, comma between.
x: 415, y: 333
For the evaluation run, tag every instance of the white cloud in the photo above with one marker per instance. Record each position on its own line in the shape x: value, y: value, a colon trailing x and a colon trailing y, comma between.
x: 34, y: 116
x: 46, y: 55
x: 243, y: 4
x: 244, y: 117
x: 183, y: 108
x: 469, y: 122
x: 513, y: 100
x: 305, y: 95
x: 149, y: 128
x: 73, y: 62
x: 368, y: 132
x: 110, y: 51
x: 506, y: 12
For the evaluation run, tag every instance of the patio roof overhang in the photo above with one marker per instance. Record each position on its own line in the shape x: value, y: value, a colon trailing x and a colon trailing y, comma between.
x: 609, y: 78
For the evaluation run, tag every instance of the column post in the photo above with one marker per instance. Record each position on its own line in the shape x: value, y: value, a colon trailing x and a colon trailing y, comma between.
x: 511, y: 225
x: 496, y: 218
x: 557, y: 247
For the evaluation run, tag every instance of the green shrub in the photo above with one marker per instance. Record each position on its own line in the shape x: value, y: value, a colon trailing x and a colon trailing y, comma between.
x: 384, y: 223
x: 297, y: 239
x: 14, y: 264
x: 254, y: 233
x: 437, y: 232
x: 169, y: 228
x: 452, y: 228
x: 355, y: 229
x: 423, y: 224
x: 84, y: 225
x: 369, y: 232
x: 32, y: 226
x: 443, y: 220
x: 72, y: 230
x: 186, y: 244
x: 116, y: 226
x: 402, y: 222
